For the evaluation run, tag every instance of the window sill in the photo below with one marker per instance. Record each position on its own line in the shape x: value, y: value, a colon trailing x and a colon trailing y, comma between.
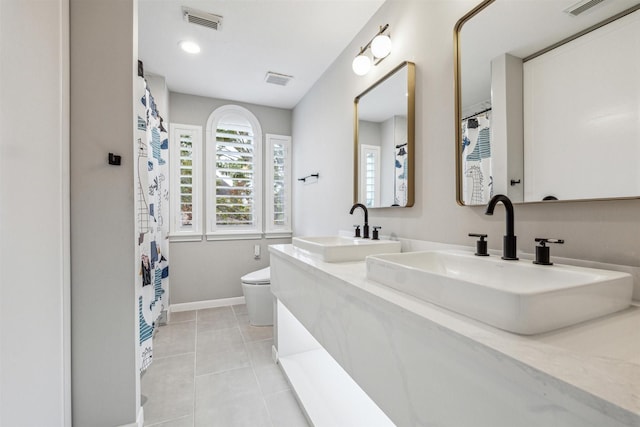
x: 185, y: 237
x: 210, y: 237
x: 234, y: 236
x: 278, y: 234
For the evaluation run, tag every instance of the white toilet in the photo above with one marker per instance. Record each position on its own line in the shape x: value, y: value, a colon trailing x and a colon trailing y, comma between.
x: 256, y: 288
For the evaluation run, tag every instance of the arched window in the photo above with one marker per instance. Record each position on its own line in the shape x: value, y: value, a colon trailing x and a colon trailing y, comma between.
x: 234, y: 173
x: 241, y: 201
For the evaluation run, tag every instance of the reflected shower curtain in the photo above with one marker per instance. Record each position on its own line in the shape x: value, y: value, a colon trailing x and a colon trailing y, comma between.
x: 151, y: 151
x: 400, y: 176
x: 477, y: 185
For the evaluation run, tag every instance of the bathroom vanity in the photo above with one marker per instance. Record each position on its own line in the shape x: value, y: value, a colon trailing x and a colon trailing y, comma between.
x: 360, y: 353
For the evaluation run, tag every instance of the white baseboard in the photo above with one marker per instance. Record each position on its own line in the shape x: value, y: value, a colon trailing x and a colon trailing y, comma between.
x: 199, y: 305
x: 139, y: 421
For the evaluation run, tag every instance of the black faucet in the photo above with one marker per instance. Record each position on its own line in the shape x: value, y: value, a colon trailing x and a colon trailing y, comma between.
x: 365, y: 228
x: 509, y: 241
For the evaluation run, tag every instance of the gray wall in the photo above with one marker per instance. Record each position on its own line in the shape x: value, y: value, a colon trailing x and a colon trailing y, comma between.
x: 105, y: 379
x: 35, y: 347
x: 607, y: 231
x: 202, y: 271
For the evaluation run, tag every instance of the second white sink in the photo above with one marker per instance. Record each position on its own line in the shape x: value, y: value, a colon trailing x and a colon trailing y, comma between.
x: 341, y: 249
x: 517, y: 296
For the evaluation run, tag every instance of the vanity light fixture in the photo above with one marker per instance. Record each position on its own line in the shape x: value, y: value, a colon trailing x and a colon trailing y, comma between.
x: 189, y: 46
x: 380, y: 47
x: 361, y: 64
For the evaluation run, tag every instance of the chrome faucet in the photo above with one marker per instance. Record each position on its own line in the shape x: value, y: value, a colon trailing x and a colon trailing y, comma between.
x: 365, y: 228
x: 509, y: 241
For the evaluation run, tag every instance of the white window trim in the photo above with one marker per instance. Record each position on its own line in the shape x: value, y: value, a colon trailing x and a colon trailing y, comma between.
x: 213, y: 232
x: 185, y: 238
x: 239, y: 235
x: 175, y: 231
x: 363, y: 173
x: 278, y: 235
x: 273, y: 231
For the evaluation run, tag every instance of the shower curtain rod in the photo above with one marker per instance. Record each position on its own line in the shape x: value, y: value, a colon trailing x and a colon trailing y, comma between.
x: 476, y: 114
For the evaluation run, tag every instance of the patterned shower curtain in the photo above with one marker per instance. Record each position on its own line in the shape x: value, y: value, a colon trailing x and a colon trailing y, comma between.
x: 477, y: 185
x: 400, y: 176
x: 151, y: 148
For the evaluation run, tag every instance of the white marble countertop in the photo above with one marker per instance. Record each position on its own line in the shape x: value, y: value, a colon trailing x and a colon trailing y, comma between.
x: 596, y: 361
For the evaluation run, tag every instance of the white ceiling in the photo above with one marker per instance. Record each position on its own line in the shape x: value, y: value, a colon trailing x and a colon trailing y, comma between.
x: 519, y: 28
x: 294, y: 37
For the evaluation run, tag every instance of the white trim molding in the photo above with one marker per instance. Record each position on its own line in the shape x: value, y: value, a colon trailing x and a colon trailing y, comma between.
x: 199, y: 305
x: 234, y: 236
x: 192, y: 134
x: 278, y: 235
x: 233, y: 114
x: 184, y: 238
x: 280, y: 144
x: 139, y: 420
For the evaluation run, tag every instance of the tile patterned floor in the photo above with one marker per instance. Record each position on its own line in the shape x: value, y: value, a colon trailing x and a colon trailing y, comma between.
x: 211, y: 368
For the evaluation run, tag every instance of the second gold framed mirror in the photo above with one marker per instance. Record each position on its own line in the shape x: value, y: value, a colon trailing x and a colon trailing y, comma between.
x: 384, y: 141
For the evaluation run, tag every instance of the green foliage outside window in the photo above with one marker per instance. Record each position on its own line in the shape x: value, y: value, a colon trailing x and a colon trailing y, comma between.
x: 234, y: 177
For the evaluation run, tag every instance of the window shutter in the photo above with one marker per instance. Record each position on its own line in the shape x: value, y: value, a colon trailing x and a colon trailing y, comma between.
x: 370, y: 190
x: 278, y: 186
x: 185, y: 175
x: 186, y: 171
x: 235, y: 176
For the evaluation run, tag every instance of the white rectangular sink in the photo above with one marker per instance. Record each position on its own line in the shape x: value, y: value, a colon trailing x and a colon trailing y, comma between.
x: 517, y: 296
x: 341, y: 249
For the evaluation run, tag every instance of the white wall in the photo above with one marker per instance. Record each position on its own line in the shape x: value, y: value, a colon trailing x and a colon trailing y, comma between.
x: 422, y: 31
x: 369, y: 133
x: 106, y: 385
x: 210, y: 270
x: 34, y: 214
x: 507, y: 133
x: 160, y: 91
x: 581, y: 116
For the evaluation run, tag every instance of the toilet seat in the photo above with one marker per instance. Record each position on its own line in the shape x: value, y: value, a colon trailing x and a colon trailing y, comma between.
x: 259, y: 277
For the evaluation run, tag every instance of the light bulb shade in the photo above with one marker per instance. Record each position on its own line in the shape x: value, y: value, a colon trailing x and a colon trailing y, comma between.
x: 381, y: 46
x: 361, y: 65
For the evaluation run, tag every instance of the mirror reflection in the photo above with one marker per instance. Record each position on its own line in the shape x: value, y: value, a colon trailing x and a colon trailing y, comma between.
x: 548, y: 101
x: 384, y: 141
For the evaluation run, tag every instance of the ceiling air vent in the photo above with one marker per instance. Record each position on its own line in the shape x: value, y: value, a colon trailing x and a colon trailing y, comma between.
x: 199, y: 17
x: 277, y: 79
x: 582, y: 6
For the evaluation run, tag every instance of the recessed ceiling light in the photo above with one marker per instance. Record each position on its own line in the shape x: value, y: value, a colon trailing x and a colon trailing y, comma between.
x: 189, y: 47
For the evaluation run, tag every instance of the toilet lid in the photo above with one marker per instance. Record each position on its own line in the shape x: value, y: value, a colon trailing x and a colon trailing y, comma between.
x: 260, y: 277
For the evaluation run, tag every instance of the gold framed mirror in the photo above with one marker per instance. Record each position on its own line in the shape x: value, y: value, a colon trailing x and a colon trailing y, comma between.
x: 547, y: 101
x: 384, y: 141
